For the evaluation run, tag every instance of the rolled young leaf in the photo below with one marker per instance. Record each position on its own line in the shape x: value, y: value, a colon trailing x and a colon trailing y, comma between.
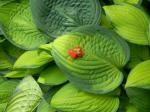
x: 70, y: 99
x: 56, y: 17
x: 102, y: 55
x: 138, y: 86
x: 32, y: 59
x: 130, y: 22
x: 52, y: 76
x: 26, y: 97
x: 18, y: 26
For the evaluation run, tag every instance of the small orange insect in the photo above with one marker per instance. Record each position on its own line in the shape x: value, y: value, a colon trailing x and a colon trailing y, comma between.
x: 72, y: 53
x: 77, y: 52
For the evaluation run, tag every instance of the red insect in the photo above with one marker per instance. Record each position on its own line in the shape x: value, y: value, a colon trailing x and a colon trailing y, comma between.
x: 72, y: 53
x: 77, y: 52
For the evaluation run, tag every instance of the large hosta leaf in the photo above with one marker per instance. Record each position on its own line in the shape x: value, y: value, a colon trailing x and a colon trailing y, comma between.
x: 26, y: 97
x: 138, y: 86
x: 32, y: 59
x: 55, y: 17
x: 18, y: 26
x: 130, y: 22
x: 99, y: 69
x: 70, y: 99
x: 52, y: 76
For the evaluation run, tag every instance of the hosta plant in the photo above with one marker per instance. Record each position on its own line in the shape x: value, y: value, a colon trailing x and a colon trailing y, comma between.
x: 74, y: 56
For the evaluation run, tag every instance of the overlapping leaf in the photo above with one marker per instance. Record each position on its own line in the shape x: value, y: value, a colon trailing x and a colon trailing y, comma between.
x: 130, y: 22
x: 55, y: 17
x: 70, y: 99
x: 138, y: 86
x: 32, y: 59
x: 104, y: 54
x: 26, y: 97
x: 18, y: 26
x: 52, y: 76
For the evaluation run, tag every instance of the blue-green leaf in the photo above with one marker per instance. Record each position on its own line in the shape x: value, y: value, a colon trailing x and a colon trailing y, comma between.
x: 56, y: 17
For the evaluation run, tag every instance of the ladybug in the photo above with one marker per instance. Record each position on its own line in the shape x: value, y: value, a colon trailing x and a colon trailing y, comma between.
x: 72, y: 53
x: 76, y: 52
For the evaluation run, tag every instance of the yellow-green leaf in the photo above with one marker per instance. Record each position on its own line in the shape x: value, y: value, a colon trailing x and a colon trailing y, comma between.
x: 33, y: 59
x: 70, y: 99
x: 130, y: 22
x: 52, y: 76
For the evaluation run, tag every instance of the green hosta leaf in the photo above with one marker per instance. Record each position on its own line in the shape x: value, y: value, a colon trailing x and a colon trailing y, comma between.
x: 18, y: 26
x: 52, y: 76
x: 6, y: 89
x: 139, y: 76
x: 130, y: 22
x: 138, y: 86
x: 137, y: 55
x: 23, y: 73
x: 4, y: 62
x: 127, y: 1
x: 26, y: 97
x: 55, y: 17
x: 104, y: 54
x: 70, y: 99
x: 32, y: 59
